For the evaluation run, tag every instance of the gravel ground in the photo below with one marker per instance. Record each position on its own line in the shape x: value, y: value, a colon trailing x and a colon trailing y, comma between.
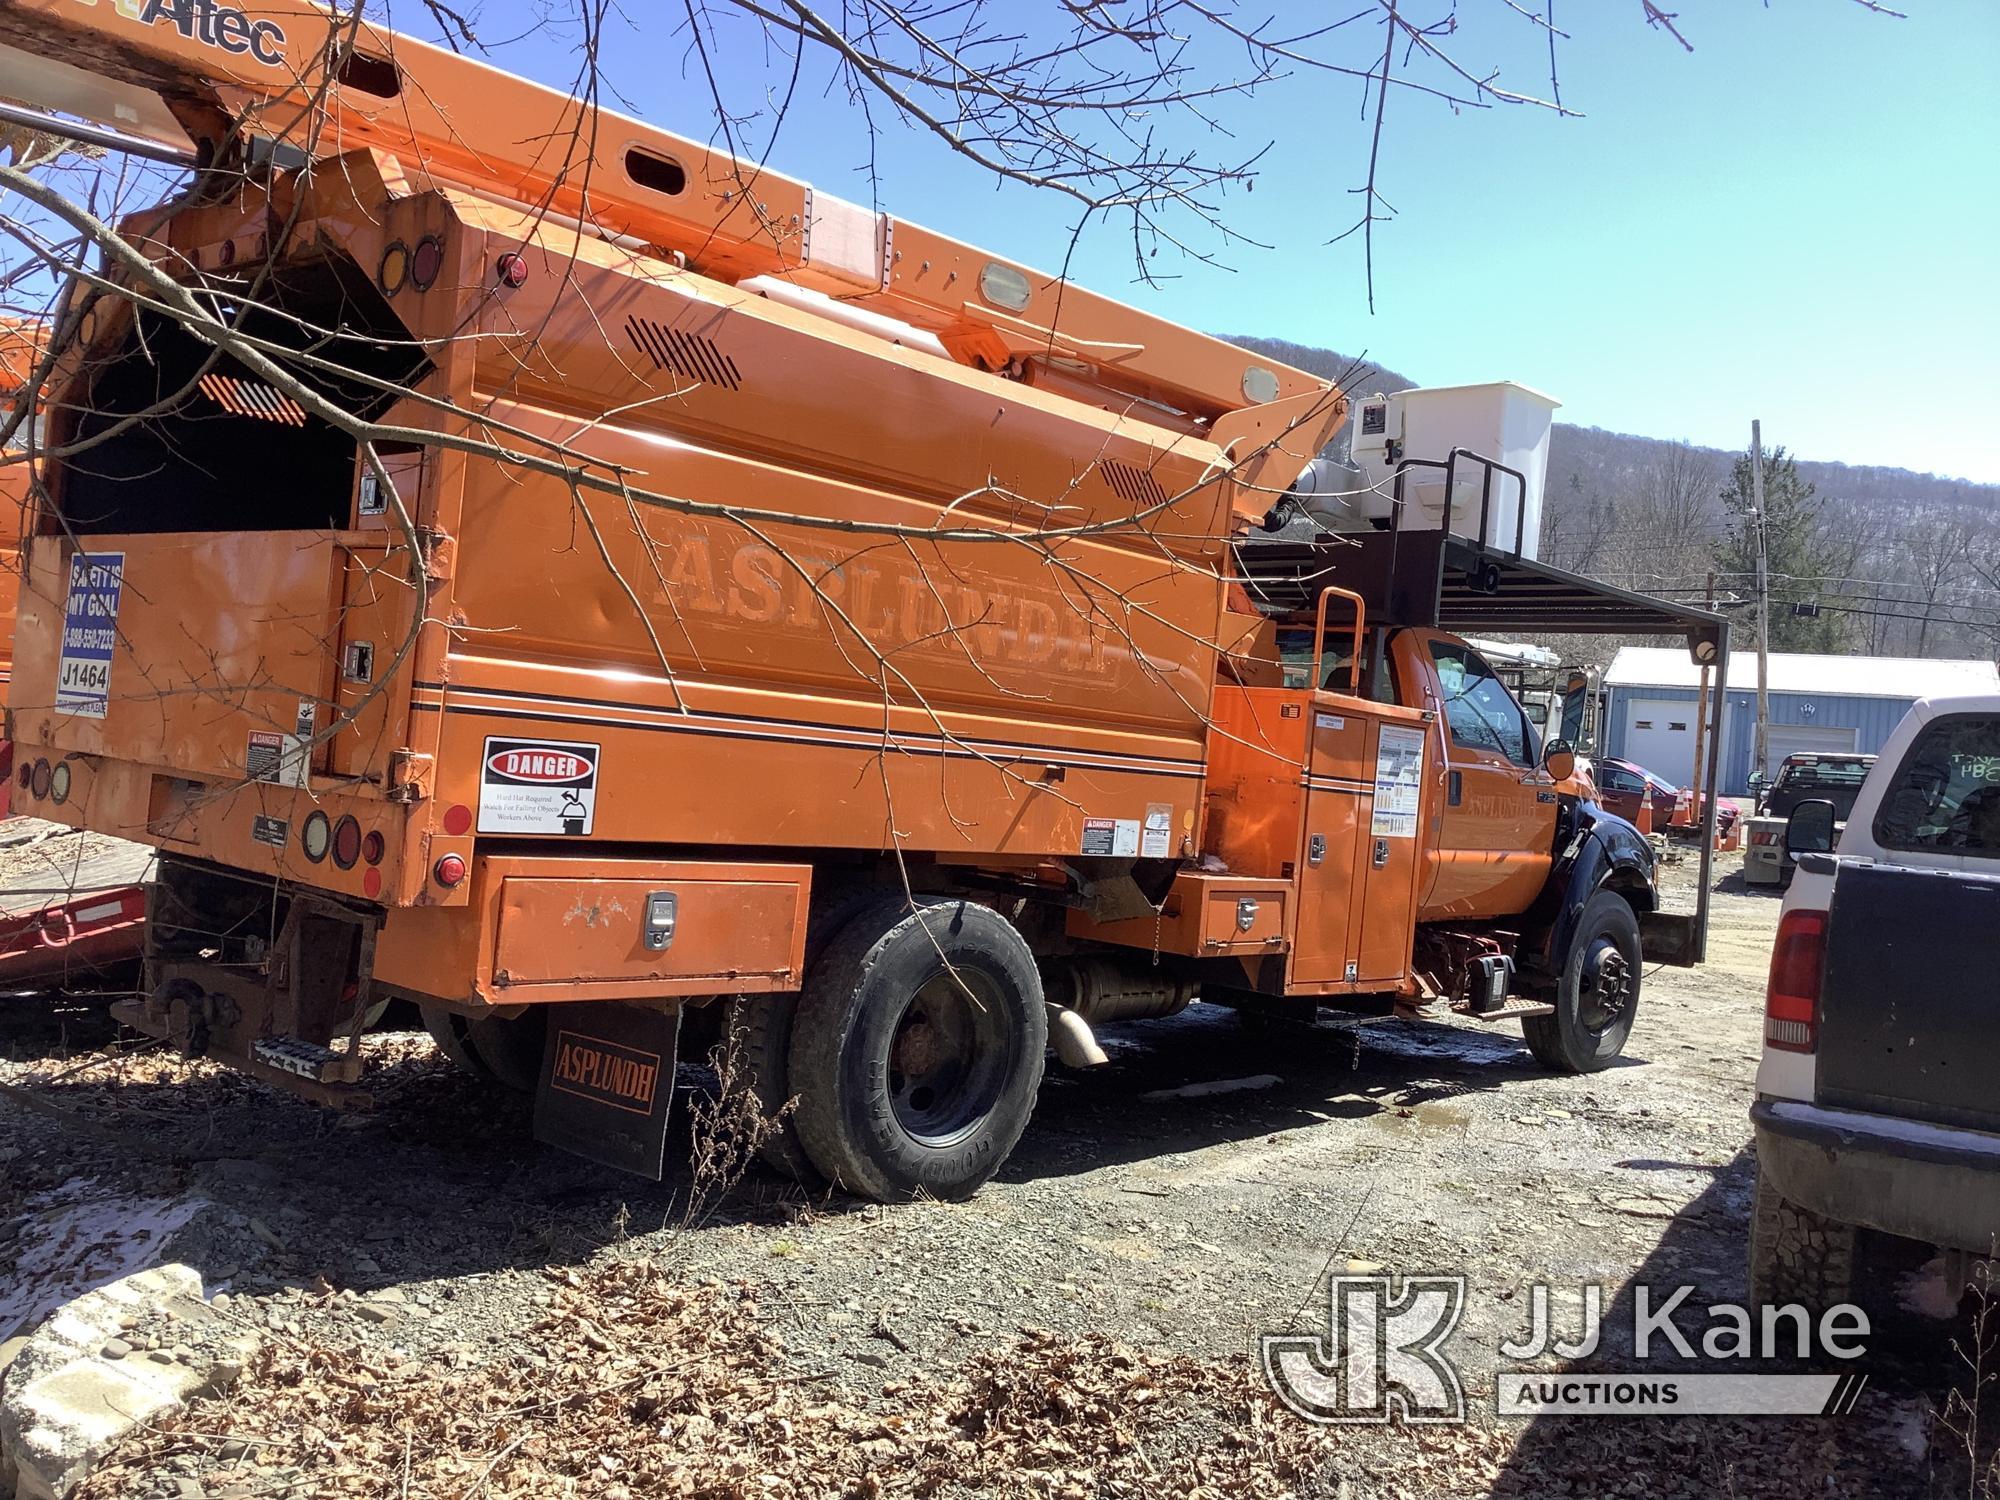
x: 1146, y: 1216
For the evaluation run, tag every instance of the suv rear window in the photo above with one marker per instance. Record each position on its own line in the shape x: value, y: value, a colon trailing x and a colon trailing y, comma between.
x: 1946, y: 795
x: 1820, y: 775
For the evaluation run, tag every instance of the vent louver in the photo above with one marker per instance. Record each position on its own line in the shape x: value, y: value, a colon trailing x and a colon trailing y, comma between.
x: 690, y: 356
x: 1135, y: 487
x: 252, y: 398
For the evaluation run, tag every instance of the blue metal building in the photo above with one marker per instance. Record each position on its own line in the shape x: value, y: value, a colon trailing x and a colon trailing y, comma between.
x: 1827, y: 703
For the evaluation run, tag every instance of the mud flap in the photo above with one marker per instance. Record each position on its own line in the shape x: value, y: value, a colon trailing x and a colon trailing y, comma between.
x: 608, y: 1084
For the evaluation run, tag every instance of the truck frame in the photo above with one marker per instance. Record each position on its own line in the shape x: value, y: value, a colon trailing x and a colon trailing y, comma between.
x: 619, y: 615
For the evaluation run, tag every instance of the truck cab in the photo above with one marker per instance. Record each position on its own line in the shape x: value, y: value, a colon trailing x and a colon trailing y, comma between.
x: 1876, y: 1112
x: 1767, y: 860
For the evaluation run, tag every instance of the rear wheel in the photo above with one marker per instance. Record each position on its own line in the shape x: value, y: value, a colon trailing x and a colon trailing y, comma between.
x: 1598, y: 994
x: 1797, y: 1255
x: 757, y: 1030
x: 757, y: 1041
x: 506, y: 1052
x: 918, y: 1049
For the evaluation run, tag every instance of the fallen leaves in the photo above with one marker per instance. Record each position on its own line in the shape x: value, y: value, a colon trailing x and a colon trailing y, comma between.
x: 633, y: 1383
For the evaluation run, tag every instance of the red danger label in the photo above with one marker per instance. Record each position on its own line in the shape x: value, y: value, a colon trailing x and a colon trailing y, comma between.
x: 540, y: 767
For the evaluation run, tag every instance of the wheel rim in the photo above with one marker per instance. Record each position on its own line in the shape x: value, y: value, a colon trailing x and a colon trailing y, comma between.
x: 1606, y: 986
x: 947, y: 1058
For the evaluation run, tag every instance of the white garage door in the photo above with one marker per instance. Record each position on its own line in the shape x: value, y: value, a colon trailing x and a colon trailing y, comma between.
x: 1781, y: 740
x: 1659, y: 735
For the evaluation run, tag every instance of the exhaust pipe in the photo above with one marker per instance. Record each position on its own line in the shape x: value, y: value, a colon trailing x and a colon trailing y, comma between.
x: 1071, y: 1036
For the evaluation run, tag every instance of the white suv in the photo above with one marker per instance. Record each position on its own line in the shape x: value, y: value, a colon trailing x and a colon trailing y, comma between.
x: 1878, y: 1097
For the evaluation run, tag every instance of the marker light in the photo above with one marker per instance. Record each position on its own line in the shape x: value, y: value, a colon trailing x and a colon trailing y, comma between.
x: 59, y: 783
x: 394, y: 272
x: 449, y: 871
x: 346, y: 842
x: 513, y: 270
x: 316, y: 837
x: 426, y: 261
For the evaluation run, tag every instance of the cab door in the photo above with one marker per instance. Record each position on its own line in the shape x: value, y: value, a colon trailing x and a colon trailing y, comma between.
x: 1493, y: 809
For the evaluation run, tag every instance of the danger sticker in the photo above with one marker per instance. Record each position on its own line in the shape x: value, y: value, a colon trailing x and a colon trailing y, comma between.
x: 538, y: 786
x: 280, y: 758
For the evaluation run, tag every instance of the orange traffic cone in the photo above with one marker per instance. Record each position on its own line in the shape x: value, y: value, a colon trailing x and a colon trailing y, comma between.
x: 1645, y: 818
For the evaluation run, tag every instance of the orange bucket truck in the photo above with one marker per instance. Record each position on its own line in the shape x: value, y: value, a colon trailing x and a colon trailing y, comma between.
x: 514, y: 559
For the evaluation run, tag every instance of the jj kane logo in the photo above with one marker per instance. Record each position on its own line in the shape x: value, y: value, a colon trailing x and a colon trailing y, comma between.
x: 211, y: 23
x: 1382, y: 1357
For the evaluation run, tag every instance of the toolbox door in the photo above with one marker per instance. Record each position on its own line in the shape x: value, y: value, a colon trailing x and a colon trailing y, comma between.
x: 1358, y: 855
x: 1329, y: 857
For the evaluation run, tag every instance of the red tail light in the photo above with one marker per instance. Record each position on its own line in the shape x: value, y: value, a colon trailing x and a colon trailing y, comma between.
x: 1791, y: 1004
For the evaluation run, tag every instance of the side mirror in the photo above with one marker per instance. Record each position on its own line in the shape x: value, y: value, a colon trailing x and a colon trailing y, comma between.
x: 1809, y: 830
x: 1559, y: 760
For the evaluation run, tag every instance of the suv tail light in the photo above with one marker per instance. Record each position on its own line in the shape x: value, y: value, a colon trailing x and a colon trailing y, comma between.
x: 1791, y: 1003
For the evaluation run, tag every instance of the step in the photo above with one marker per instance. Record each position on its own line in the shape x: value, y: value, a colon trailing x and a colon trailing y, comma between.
x: 1513, y: 1010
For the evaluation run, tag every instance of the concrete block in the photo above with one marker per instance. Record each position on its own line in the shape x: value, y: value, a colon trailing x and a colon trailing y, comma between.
x: 64, y: 1405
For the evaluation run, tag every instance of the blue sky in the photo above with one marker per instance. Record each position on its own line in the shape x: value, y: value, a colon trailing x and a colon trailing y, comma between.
x: 1798, y: 221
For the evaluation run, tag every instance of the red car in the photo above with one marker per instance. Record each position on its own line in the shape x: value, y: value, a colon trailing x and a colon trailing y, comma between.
x: 1621, y: 783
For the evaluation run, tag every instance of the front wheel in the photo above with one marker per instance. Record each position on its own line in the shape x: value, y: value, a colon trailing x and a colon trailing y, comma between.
x: 918, y: 1049
x: 1597, y: 995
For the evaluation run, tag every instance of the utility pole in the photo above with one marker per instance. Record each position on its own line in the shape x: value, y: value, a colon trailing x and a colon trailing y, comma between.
x: 1701, y: 713
x: 1763, y: 598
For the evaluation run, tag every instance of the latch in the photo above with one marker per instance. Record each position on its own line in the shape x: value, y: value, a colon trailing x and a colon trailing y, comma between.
x: 659, y: 920
x: 1381, y: 853
x: 1316, y: 849
x: 1246, y: 913
x: 409, y: 776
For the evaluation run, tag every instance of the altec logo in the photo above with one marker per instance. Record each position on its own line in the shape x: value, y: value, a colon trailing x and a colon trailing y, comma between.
x: 540, y: 767
x: 210, y: 23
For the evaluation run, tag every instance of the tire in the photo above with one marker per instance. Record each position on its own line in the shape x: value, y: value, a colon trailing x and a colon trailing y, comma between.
x: 1797, y: 1255
x: 918, y: 1049
x: 507, y: 1053
x: 757, y: 1030
x: 757, y: 1037
x: 1596, y: 996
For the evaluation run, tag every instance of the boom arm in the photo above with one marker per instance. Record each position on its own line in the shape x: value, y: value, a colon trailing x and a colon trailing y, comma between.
x: 292, y: 73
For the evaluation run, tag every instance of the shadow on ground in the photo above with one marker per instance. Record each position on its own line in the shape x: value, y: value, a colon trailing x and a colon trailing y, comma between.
x: 1889, y: 1446
x: 444, y: 1177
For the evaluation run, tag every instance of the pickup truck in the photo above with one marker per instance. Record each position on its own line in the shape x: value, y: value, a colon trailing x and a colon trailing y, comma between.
x: 1767, y: 859
x: 1878, y: 1096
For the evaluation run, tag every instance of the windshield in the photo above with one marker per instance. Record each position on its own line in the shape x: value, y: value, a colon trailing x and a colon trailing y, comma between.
x: 1481, y: 712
